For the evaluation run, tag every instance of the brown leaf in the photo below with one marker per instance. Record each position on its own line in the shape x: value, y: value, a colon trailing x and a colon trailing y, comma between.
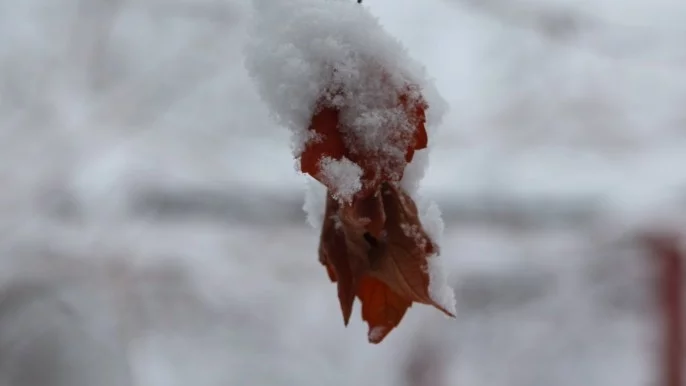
x: 382, y: 308
x: 403, y: 265
x: 373, y: 245
x: 327, y: 141
x: 376, y: 249
x: 333, y: 253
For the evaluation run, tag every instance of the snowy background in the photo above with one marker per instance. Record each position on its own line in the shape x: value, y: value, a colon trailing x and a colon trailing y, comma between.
x: 146, y: 187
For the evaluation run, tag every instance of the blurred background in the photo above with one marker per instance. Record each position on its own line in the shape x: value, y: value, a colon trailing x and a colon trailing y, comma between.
x: 152, y: 222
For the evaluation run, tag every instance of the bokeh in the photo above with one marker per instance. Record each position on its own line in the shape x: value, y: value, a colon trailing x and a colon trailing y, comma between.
x: 153, y: 230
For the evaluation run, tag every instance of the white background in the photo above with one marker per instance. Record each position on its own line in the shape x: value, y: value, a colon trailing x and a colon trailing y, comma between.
x: 139, y: 164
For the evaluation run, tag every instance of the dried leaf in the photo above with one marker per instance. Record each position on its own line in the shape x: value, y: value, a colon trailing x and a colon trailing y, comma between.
x: 382, y: 308
x: 403, y: 265
x: 327, y: 141
x: 373, y: 244
x: 333, y: 253
x: 387, y: 272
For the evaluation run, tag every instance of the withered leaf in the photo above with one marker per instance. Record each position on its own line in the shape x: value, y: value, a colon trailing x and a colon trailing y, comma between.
x: 380, y: 259
x: 373, y: 244
x: 403, y: 264
x: 382, y: 308
x: 327, y: 141
x: 334, y: 254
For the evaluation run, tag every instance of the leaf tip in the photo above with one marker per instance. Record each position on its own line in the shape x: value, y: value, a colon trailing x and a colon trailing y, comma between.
x: 346, y: 301
x: 377, y: 334
x: 448, y: 309
x: 346, y: 318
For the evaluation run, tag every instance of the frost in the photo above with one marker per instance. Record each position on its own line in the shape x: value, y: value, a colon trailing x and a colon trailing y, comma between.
x: 414, y: 172
x: 315, y: 203
x: 377, y: 333
x: 343, y: 176
x: 439, y: 289
x: 412, y: 231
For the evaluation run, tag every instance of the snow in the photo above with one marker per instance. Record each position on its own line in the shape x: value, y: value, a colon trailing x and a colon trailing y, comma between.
x: 303, y: 51
x: 440, y: 290
x: 376, y: 333
x: 315, y: 203
x: 542, y: 125
x: 343, y: 175
x: 306, y: 51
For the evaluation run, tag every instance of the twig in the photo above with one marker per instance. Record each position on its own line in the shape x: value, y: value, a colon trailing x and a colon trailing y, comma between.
x: 669, y: 259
